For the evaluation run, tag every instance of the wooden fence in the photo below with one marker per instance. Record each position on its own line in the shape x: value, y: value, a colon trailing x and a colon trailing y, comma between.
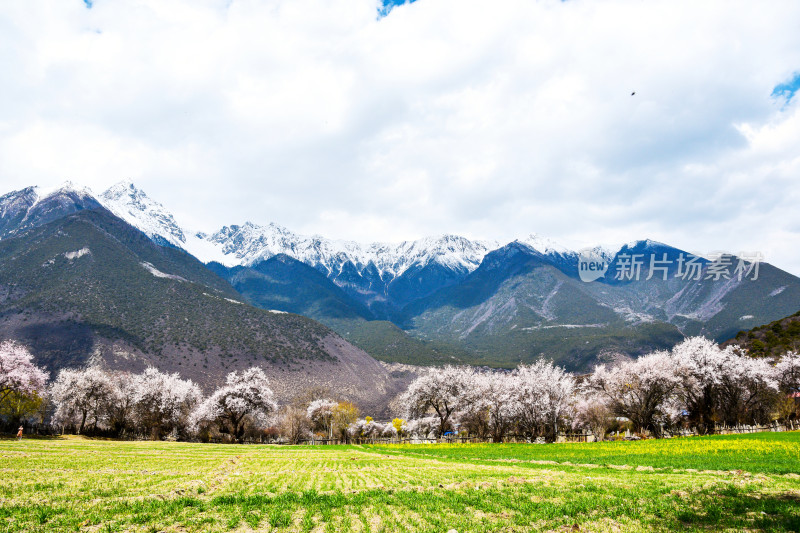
x: 562, y: 437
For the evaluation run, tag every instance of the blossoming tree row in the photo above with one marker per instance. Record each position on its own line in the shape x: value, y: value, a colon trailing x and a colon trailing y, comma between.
x: 696, y: 384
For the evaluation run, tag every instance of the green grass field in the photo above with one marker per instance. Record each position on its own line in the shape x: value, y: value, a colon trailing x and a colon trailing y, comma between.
x: 733, y: 483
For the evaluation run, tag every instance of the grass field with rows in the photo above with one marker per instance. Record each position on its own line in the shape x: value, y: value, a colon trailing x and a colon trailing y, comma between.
x: 733, y: 483
x: 774, y: 453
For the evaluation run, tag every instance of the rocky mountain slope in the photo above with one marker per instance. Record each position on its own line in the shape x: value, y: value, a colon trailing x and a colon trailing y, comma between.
x: 519, y: 304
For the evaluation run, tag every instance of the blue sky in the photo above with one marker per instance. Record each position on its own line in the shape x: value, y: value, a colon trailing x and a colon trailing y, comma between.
x: 787, y: 90
x: 491, y: 120
x: 385, y: 8
x: 388, y: 5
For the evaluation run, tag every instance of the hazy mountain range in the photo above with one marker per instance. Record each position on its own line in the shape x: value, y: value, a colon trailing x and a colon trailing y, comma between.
x: 444, y: 298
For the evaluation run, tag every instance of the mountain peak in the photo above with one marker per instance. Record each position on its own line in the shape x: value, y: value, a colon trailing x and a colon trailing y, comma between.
x: 133, y: 205
x: 544, y: 245
x: 67, y: 187
x: 34, y: 206
x: 644, y: 244
x: 122, y: 187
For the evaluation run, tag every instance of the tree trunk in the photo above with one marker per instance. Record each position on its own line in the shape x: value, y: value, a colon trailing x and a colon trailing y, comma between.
x: 83, y: 422
x: 237, y: 428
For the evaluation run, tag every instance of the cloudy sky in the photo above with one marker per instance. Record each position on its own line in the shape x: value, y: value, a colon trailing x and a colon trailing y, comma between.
x: 486, y: 119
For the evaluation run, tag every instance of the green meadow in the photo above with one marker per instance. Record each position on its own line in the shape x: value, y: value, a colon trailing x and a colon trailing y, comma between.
x: 721, y: 483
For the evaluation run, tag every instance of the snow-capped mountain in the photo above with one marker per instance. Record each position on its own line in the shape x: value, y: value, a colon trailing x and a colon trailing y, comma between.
x: 380, y: 275
x: 34, y: 206
x: 360, y: 267
x: 544, y: 246
x: 140, y: 211
x: 250, y: 243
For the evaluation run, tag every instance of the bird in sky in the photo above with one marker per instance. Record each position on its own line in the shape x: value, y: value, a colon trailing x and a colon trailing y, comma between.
x: 634, y: 92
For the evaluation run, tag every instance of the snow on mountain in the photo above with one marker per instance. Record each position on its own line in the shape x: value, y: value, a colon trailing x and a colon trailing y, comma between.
x: 66, y: 188
x: 544, y: 246
x: 448, y: 250
x: 62, y: 196
x: 16, y: 203
x: 137, y: 209
x: 250, y: 243
x: 644, y: 244
x: 32, y: 206
x: 36, y: 205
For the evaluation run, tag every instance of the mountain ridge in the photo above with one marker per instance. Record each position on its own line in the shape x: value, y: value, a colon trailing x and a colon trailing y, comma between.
x: 448, y: 297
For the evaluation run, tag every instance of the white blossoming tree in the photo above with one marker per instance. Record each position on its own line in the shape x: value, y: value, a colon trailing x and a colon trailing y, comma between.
x: 590, y: 411
x: 82, y: 396
x: 702, y: 365
x: 365, y: 429
x: 321, y: 412
x: 245, y: 397
x: 294, y: 423
x: 120, y: 408
x: 542, y: 393
x: 444, y: 391
x: 163, y: 402
x: 22, y: 384
x: 494, y: 402
x: 787, y: 372
x: 748, y: 389
x: 640, y: 390
x: 422, y: 427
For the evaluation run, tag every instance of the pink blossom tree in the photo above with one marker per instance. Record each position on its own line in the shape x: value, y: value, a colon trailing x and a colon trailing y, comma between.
x: 18, y: 374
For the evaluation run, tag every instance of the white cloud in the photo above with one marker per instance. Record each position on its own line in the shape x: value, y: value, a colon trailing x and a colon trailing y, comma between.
x: 488, y: 119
